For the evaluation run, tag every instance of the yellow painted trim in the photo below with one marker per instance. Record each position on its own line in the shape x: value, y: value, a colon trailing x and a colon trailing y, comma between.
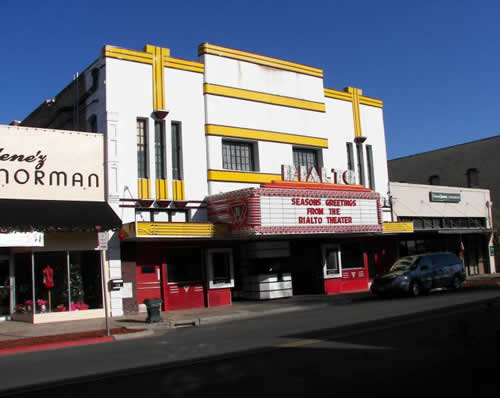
x: 261, y: 135
x: 144, y: 188
x: 371, y: 102
x: 159, y: 55
x: 180, y: 229
x: 178, y: 188
x: 241, y: 176
x: 272, y: 99
x: 356, y: 93
x: 341, y: 95
x: 206, y: 48
x: 128, y: 55
x: 182, y: 64
x: 345, y: 96
x: 392, y: 227
x: 161, y: 189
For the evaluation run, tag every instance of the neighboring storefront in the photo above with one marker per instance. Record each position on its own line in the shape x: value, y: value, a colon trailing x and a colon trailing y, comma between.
x: 443, y: 218
x: 52, y: 208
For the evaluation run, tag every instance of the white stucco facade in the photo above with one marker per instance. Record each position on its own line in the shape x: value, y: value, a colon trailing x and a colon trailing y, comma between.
x: 275, y: 105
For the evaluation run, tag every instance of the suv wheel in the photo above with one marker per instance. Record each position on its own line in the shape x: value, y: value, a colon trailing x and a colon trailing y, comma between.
x: 414, y: 289
x: 456, y: 283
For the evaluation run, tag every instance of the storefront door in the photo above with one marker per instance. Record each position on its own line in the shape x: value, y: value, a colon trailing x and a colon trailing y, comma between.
x: 148, y: 282
x: 185, y: 286
x: 4, y: 288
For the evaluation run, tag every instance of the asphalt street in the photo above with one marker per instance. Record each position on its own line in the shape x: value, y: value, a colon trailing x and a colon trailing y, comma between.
x: 446, y: 342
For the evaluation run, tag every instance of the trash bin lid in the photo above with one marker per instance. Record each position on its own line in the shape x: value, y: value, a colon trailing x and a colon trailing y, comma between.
x: 153, y: 301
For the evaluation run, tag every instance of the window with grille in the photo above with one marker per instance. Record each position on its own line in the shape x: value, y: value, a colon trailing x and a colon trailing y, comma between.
x: 142, y: 149
x: 361, y: 163
x: 177, y: 171
x: 160, y: 149
x: 305, y: 157
x: 238, y: 155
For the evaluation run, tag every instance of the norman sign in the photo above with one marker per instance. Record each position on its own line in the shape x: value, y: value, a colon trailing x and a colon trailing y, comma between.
x: 50, y: 164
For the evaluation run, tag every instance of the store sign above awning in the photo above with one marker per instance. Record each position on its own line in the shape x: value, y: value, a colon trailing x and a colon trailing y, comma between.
x: 21, y: 239
x: 40, y: 164
x: 446, y: 197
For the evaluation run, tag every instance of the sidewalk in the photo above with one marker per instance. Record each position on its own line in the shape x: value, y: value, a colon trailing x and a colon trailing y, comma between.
x: 20, y: 336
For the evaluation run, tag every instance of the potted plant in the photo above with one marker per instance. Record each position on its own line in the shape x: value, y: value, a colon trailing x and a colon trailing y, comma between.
x: 20, y: 309
x: 42, y: 305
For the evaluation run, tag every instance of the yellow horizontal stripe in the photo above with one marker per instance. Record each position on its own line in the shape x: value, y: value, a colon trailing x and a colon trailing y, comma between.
x: 179, y: 229
x: 341, y: 95
x: 129, y: 55
x: 371, y: 102
x: 398, y: 226
x: 261, y: 135
x: 149, y: 48
x: 241, y: 176
x: 181, y: 64
x: 272, y: 99
x: 206, y: 48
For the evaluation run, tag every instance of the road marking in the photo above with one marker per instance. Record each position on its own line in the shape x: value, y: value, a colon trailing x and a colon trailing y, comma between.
x: 299, y: 343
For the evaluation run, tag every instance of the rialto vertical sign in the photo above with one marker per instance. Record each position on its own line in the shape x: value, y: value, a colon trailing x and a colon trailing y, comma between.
x: 51, y: 164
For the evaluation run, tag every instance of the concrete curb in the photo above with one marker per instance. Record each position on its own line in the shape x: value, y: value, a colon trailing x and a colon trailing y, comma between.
x: 51, y: 346
x: 135, y: 335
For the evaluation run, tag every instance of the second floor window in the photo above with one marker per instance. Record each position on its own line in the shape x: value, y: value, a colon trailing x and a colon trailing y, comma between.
x: 434, y: 180
x: 472, y: 178
x: 160, y: 149
x: 142, y: 149
x: 305, y: 157
x: 238, y: 155
x: 177, y: 171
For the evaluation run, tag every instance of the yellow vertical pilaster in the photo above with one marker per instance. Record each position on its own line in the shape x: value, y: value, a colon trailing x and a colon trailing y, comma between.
x: 159, y: 55
x: 356, y: 94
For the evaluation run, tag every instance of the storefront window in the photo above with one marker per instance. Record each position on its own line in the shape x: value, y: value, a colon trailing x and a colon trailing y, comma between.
x: 220, y: 268
x: 352, y: 257
x: 24, y: 285
x: 51, y: 282
x: 63, y: 281
x: 331, y: 261
x: 85, y: 280
x: 184, y: 265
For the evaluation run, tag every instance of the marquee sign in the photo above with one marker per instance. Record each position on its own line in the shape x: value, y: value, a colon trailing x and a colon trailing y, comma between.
x: 276, y: 210
x: 297, y: 211
x: 51, y: 164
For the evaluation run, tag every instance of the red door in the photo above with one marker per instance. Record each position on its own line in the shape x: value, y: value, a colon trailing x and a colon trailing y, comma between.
x: 184, y: 288
x: 148, y: 282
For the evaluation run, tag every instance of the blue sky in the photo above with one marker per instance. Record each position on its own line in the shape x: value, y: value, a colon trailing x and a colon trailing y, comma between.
x: 435, y: 64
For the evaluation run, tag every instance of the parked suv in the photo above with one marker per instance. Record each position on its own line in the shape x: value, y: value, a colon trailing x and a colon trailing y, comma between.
x: 414, y: 275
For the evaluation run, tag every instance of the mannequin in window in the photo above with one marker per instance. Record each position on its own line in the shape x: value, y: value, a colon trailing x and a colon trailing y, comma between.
x: 48, y: 282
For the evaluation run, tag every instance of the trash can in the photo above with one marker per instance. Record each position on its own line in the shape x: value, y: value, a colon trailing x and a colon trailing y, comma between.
x: 153, y: 306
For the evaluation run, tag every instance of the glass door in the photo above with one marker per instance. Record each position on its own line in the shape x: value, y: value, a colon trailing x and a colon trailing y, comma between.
x: 4, y: 288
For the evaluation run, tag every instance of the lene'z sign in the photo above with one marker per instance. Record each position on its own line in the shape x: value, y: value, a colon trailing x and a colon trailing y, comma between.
x: 50, y: 164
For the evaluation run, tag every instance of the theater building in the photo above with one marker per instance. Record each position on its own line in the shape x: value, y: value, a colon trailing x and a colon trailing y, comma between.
x: 52, y: 207
x: 236, y: 175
